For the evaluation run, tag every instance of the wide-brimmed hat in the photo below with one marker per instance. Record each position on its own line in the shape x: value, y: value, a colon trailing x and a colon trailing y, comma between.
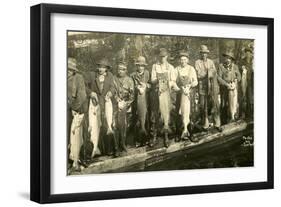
x: 104, y: 62
x: 163, y: 52
x: 183, y: 53
x: 141, y: 61
x: 229, y: 54
x: 248, y: 49
x: 122, y: 64
x: 204, y: 49
x: 71, y: 64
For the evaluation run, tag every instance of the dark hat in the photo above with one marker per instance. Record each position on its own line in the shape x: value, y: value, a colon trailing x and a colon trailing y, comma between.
x: 183, y: 53
x: 229, y: 54
x: 104, y: 62
x: 163, y: 52
x: 141, y: 61
x: 71, y: 64
x: 204, y: 49
x: 122, y: 64
x: 248, y: 49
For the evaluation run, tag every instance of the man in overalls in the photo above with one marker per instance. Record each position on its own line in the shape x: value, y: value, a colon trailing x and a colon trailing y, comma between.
x: 163, y: 77
x: 187, y: 81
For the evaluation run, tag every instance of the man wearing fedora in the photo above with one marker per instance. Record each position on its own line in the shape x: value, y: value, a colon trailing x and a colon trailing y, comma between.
x: 187, y: 81
x: 163, y: 77
x: 247, y: 83
x: 229, y: 77
x: 208, y: 89
x: 102, y: 86
x: 78, y: 106
x: 141, y: 78
x: 124, y: 96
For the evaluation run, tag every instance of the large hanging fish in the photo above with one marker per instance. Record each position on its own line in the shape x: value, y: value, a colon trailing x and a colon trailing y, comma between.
x: 142, y: 107
x: 164, y: 98
x: 244, y: 81
x: 233, y: 100
x: 109, y: 115
x: 94, y: 124
x: 185, y: 109
x: 76, y: 135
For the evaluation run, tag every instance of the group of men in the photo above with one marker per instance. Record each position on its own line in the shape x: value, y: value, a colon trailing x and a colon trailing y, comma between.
x: 157, y: 102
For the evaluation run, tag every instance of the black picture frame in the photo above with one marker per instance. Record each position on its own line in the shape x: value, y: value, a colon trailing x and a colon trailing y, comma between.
x: 41, y: 102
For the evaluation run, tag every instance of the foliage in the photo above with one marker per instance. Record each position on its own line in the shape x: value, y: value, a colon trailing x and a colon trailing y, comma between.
x: 88, y: 48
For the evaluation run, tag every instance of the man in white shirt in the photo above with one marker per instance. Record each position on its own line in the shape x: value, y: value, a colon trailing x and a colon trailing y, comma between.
x: 187, y: 81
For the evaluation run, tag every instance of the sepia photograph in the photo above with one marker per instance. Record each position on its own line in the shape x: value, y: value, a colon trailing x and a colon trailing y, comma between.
x: 129, y: 103
x: 143, y: 102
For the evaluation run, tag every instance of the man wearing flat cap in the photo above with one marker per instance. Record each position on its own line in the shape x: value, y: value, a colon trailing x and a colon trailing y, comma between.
x: 141, y: 78
x: 229, y: 77
x: 208, y: 89
x: 78, y: 106
x: 187, y: 81
x: 102, y: 86
x: 163, y: 77
x: 124, y: 96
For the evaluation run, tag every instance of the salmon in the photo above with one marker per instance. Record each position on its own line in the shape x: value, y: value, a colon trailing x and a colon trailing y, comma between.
x: 142, y: 107
x: 109, y: 115
x: 76, y: 139
x: 94, y: 125
x: 185, y: 109
x: 164, y: 107
x: 233, y: 101
x: 164, y: 98
x: 244, y: 81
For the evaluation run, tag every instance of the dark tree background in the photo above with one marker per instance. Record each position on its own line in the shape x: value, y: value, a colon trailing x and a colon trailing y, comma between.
x: 89, y: 47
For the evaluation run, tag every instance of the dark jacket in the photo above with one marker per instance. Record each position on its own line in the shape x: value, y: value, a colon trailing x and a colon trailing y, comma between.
x: 207, y: 77
x: 228, y: 75
x: 101, y: 91
x: 250, y: 80
x: 137, y: 78
x: 124, y: 89
x: 208, y: 82
x: 76, y: 93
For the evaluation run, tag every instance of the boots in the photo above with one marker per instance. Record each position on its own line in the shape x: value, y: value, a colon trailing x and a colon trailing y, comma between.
x: 166, y: 139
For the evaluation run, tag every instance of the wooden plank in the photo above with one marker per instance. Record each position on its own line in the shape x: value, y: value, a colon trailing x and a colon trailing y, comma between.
x: 146, y: 156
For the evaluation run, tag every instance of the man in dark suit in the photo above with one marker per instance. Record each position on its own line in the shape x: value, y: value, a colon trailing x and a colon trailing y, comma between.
x: 102, y: 85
